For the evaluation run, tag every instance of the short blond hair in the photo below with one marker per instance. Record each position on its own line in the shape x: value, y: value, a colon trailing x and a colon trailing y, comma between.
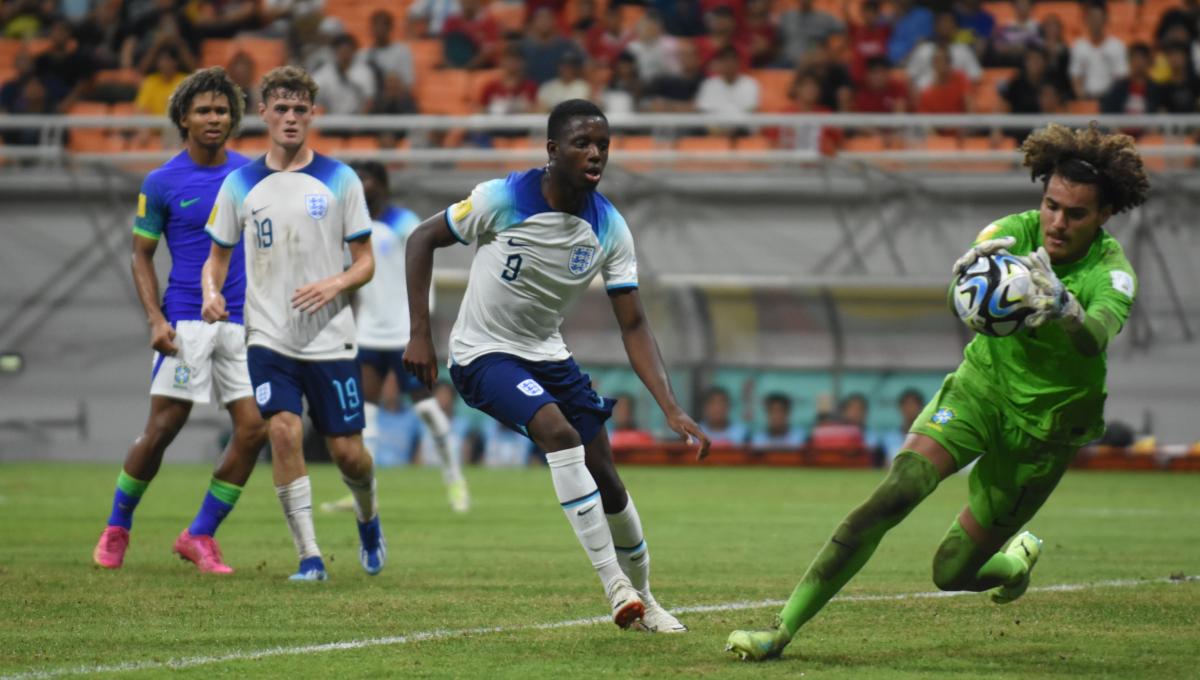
x: 288, y: 80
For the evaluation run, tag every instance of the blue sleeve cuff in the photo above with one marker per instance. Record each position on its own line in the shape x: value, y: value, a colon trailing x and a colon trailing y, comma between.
x: 218, y: 241
x: 617, y: 287
x: 358, y: 234
x: 453, y: 231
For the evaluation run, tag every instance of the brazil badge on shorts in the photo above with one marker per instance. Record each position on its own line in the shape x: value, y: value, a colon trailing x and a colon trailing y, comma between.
x: 941, y: 417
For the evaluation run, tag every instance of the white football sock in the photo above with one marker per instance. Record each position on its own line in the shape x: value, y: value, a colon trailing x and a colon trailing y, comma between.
x: 366, y: 505
x: 439, y: 431
x: 630, y: 545
x: 296, y: 499
x: 370, y: 433
x: 580, y: 501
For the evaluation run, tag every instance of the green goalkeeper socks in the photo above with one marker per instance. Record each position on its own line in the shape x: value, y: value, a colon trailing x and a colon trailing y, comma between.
x: 960, y: 565
x: 911, y: 479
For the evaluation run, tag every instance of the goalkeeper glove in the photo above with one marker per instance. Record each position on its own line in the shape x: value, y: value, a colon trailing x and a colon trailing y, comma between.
x: 1050, y: 299
x: 982, y: 249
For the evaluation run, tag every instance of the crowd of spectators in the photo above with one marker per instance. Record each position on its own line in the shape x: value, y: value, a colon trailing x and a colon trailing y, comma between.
x: 640, y: 55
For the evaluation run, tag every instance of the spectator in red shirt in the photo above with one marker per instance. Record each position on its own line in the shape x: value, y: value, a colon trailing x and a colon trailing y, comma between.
x: 879, y: 92
x: 868, y: 38
x: 722, y: 33
x: 606, y: 39
x: 513, y: 91
x: 762, y: 35
x: 950, y: 91
x: 805, y: 96
x: 625, y: 430
x: 471, y: 38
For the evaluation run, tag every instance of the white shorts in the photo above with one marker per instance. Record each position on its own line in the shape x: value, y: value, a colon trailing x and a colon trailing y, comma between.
x: 211, y: 357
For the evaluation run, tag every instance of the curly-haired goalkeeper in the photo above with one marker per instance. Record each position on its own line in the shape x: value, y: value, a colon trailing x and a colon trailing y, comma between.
x: 1020, y: 406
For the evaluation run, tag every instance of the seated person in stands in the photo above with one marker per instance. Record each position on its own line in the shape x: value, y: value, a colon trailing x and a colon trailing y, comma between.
x: 717, y: 421
x: 570, y: 83
x: 471, y: 38
x: 779, y: 433
x: 728, y: 90
x: 159, y: 82
x: 346, y: 87
x: 879, y: 92
x: 844, y: 430
x: 1179, y: 92
x: 950, y: 91
x: 512, y: 91
x: 1134, y: 93
x: 1022, y: 94
x: 676, y: 92
x: 890, y: 442
x: 623, y: 428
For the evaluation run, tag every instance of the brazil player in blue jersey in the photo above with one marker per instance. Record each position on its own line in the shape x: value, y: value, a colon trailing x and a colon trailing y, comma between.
x: 191, y: 358
x: 542, y: 236
x: 297, y: 210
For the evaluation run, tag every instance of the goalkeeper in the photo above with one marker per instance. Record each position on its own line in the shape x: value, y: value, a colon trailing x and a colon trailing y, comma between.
x: 1021, y: 405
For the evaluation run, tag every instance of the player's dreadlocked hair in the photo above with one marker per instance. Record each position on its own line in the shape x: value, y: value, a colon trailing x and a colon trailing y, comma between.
x: 206, y: 80
x: 565, y: 111
x: 288, y: 79
x: 1089, y: 156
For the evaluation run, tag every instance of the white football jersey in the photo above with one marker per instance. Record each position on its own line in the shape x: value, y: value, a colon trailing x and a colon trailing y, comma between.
x: 531, y: 263
x: 295, y: 223
x: 381, y: 306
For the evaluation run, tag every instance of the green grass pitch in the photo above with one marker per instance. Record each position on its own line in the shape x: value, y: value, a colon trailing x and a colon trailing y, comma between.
x: 716, y: 536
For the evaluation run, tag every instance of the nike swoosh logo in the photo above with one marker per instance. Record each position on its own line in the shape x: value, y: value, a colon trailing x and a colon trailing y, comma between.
x: 590, y: 508
x: 518, y: 244
x: 184, y: 204
x: 347, y: 419
x: 255, y: 212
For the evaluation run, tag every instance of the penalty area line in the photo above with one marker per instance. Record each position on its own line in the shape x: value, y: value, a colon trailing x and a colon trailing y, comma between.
x: 441, y: 634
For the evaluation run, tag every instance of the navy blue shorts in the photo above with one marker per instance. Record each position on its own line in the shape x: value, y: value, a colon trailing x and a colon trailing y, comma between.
x: 331, y: 387
x: 511, y: 390
x: 386, y: 361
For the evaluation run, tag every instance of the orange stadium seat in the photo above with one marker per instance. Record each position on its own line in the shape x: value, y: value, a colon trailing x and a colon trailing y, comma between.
x: 121, y: 76
x: 510, y: 16
x: 1084, y: 107
x: 1071, y: 14
x: 1002, y: 12
x: 870, y: 143
x: 752, y: 143
x: 773, y: 89
x: 362, y: 143
x: 477, y: 81
x: 445, y: 93
x: 710, y: 143
x: 1153, y: 163
x: 427, y: 55
x: 630, y: 16
x: 988, y: 144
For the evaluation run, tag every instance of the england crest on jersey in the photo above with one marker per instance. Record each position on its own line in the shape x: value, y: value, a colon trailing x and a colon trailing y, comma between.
x: 317, y: 205
x: 581, y: 259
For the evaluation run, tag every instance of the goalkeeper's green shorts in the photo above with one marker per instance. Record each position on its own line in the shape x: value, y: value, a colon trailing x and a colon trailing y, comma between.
x: 1015, y: 472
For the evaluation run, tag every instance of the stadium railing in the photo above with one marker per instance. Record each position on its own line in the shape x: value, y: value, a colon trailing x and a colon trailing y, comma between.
x: 1169, y: 137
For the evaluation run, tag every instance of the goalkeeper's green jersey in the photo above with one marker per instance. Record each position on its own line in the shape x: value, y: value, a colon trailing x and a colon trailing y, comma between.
x: 1048, y: 387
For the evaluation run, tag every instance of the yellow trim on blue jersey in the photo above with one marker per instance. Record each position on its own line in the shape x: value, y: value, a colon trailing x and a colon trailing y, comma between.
x: 141, y: 209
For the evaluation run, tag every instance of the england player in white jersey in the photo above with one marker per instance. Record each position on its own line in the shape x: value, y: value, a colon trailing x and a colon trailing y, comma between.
x: 542, y: 236
x: 296, y: 209
x: 381, y: 314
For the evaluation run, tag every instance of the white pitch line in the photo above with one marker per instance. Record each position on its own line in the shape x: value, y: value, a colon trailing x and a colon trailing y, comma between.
x: 441, y: 634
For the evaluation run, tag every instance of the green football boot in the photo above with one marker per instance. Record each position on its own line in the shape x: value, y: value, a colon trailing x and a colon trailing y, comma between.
x: 1027, y: 548
x: 758, y: 645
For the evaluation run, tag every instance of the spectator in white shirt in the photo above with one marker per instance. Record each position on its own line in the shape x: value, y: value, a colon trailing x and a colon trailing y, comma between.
x: 1097, y: 59
x: 384, y: 56
x: 656, y: 53
x: 728, y: 90
x: 345, y: 88
x: 570, y: 83
x: 962, y: 57
x: 433, y: 13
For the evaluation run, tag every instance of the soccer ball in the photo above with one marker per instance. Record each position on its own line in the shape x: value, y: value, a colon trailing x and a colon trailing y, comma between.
x: 991, y: 295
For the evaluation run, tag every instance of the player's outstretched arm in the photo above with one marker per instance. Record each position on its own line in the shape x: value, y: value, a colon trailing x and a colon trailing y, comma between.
x: 212, y: 281
x: 420, y: 357
x: 646, y: 359
x: 312, y: 297
x: 145, y: 280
